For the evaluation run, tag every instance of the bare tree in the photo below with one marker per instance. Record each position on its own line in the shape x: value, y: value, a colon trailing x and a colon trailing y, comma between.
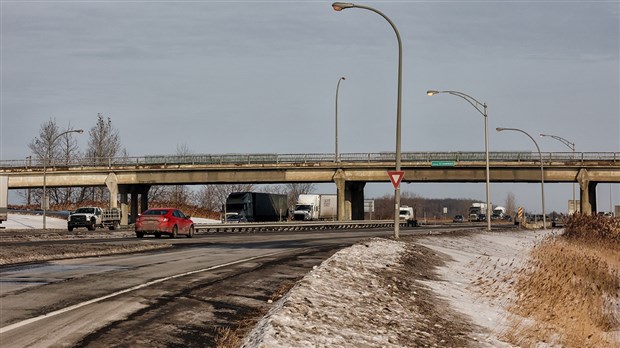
x: 213, y: 197
x: 180, y: 194
x: 175, y: 195
x: 104, y: 143
x: 61, y: 151
x: 293, y: 191
x: 511, y: 204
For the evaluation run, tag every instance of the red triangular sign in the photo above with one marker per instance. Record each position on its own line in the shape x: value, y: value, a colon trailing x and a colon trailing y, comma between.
x: 396, y: 177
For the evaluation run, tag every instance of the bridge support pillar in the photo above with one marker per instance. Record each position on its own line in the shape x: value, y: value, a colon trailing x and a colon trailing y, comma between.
x: 124, y: 208
x: 139, y: 194
x: 112, y: 183
x: 588, y: 193
x: 339, y: 179
x: 354, y: 193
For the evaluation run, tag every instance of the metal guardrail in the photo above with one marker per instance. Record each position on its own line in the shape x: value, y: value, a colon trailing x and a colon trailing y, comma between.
x: 291, y: 226
x: 275, y: 159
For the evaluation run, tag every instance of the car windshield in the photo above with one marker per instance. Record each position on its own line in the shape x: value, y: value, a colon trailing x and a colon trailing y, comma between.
x: 155, y: 212
x: 85, y: 211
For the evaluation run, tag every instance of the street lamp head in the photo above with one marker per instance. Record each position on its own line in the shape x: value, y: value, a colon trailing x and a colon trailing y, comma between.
x: 543, y: 135
x: 79, y: 131
x: 339, y: 6
x: 343, y: 78
x: 431, y: 92
x: 499, y: 129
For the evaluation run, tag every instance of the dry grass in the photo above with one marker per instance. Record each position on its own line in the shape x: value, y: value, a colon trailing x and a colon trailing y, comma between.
x: 569, y: 293
x: 227, y: 338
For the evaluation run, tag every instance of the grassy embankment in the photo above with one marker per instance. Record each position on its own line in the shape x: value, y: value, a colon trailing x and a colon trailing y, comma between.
x: 569, y: 293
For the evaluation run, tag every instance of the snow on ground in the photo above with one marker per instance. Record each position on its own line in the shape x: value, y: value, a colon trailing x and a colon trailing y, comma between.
x: 323, y: 308
x: 24, y: 221
x: 347, y: 302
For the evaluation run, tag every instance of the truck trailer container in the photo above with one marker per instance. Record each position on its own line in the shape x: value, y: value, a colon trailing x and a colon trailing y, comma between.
x: 258, y: 206
x: 313, y: 207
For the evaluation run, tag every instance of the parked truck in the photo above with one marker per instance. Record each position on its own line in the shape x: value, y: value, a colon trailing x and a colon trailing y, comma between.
x: 258, y: 206
x: 93, y: 217
x: 313, y: 207
x: 4, y: 197
x: 408, y: 216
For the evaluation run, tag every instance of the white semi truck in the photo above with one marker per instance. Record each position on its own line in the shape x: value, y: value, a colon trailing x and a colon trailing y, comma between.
x: 408, y: 215
x: 314, y: 207
x: 499, y: 213
x: 477, y: 211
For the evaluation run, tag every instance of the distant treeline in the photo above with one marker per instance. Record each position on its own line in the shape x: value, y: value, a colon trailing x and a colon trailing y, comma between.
x: 429, y: 207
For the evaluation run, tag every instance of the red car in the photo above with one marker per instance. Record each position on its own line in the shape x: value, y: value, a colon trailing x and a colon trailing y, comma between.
x: 158, y: 221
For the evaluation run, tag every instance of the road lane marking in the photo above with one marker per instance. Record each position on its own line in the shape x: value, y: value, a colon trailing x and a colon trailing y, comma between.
x: 120, y: 292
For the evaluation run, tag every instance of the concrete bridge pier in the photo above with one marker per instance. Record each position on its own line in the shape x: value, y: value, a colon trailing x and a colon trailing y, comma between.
x: 139, y: 193
x: 124, y: 209
x: 350, y: 197
x: 112, y: 183
x: 354, y: 193
x: 340, y: 181
x: 587, y: 193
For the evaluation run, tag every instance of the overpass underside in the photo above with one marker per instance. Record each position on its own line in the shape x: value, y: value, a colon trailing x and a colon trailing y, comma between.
x: 131, y: 184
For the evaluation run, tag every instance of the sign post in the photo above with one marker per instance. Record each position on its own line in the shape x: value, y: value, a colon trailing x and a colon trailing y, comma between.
x: 396, y: 177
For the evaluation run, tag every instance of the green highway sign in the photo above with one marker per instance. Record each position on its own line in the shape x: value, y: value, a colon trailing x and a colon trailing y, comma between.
x: 442, y: 164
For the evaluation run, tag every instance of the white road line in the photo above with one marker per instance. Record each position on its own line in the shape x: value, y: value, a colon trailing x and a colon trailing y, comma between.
x: 137, y: 287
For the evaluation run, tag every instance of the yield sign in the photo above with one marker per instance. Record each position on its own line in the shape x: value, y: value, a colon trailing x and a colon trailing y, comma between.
x: 396, y: 177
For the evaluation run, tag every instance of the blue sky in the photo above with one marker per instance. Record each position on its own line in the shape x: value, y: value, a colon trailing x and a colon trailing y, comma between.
x: 260, y: 76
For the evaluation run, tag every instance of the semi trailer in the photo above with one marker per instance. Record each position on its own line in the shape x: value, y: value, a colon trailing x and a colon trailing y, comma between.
x: 257, y: 206
x: 313, y: 207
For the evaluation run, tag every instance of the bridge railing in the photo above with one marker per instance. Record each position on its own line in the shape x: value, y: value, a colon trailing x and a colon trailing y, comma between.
x: 269, y: 158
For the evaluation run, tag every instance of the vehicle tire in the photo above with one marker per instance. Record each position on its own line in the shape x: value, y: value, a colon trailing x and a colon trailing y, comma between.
x: 92, y: 226
x: 157, y: 235
x: 175, y: 231
x: 139, y: 234
x: 190, y: 233
x: 115, y: 226
x: 70, y: 228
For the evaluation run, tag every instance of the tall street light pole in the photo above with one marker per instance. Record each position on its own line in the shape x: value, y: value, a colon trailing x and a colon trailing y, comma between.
x: 337, y: 154
x: 572, y: 147
x: 476, y: 104
x: 339, y: 6
x: 47, y: 158
x: 542, y: 174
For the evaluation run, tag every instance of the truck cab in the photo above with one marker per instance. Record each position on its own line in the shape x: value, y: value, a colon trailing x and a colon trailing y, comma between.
x: 88, y: 217
x: 407, y: 214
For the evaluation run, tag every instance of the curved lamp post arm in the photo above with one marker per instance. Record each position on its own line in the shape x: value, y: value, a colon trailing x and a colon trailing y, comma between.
x: 560, y: 139
x: 500, y: 129
x: 471, y: 100
x: 542, y: 175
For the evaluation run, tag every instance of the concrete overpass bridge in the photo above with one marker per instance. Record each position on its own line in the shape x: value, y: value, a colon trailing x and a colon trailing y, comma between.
x: 132, y: 177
